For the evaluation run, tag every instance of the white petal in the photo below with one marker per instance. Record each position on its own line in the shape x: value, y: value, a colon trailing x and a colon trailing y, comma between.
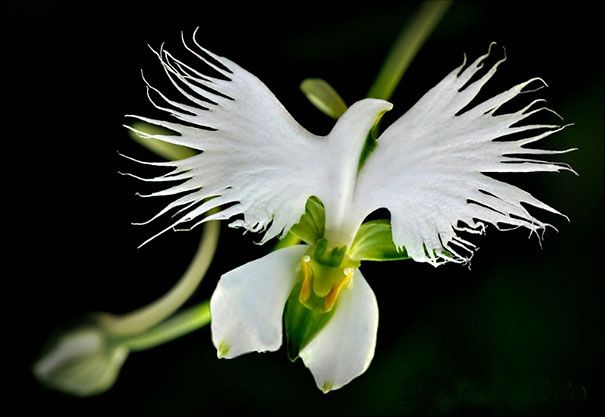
x: 248, y: 303
x: 428, y: 168
x: 255, y: 157
x: 344, y: 348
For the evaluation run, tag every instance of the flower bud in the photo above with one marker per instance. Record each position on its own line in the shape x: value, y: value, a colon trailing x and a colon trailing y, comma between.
x: 82, y: 361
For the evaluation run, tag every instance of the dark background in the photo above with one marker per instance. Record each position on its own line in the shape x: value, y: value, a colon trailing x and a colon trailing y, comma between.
x: 521, y: 332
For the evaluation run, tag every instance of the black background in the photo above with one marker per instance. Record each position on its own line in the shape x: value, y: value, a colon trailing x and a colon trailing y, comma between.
x: 521, y: 332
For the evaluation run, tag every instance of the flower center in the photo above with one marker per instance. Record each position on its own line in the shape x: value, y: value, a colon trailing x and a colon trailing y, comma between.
x: 325, y: 273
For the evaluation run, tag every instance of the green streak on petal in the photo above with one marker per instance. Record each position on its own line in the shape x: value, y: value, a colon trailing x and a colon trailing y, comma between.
x: 370, y: 143
x: 179, y: 325
x: 405, y: 48
x: 327, y: 386
x: 223, y: 349
x: 163, y: 149
x: 323, y: 96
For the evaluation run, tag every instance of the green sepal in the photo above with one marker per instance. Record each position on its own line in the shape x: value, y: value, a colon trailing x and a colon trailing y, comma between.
x: 302, y: 324
x: 310, y: 227
x: 289, y: 240
x: 374, y: 242
x: 323, y: 96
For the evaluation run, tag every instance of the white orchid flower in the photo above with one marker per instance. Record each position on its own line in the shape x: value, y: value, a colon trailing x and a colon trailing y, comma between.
x: 256, y: 162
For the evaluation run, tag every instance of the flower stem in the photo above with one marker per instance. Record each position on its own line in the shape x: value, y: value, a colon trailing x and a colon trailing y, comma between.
x: 179, y: 325
x: 146, y: 317
x: 408, y: 43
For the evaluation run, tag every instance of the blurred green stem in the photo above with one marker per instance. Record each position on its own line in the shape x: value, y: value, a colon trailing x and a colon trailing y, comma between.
x: 184, y: 322
x: 143, y: 319
x: 408, y: 43
x: 146, y: 317
x: 189, y: 320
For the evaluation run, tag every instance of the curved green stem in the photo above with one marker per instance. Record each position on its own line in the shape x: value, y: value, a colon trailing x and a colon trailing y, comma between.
x: 185, y: 322
x: 146, y: 317
x: 408, y: 43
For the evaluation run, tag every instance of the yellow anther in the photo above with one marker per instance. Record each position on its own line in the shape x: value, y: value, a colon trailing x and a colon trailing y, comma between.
x: 332, y: 296
x: 307, y: 284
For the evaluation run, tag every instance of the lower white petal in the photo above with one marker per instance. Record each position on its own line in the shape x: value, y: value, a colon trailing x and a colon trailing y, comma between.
x: 344, y: 348
x: 248, y: 303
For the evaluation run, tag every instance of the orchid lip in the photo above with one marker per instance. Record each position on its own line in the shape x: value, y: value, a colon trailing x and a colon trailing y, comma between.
x: 322, y: 285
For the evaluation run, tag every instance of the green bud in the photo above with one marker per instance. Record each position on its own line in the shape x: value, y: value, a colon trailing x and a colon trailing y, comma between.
x: 324, y: 97
x: 82, y: 361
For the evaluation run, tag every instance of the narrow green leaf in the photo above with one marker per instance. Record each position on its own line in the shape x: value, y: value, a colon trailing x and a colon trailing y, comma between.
x: 310, y: 228
x: 374, y: 242
x: 323, y: 96
x: 407, y: 45
x: 163, y: 149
